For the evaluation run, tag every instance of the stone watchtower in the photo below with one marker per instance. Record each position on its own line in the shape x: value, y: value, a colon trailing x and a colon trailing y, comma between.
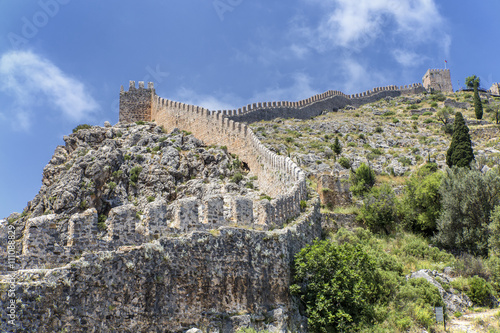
x: 437, y: 80
x: 136, y: 104
x: 495, y: 89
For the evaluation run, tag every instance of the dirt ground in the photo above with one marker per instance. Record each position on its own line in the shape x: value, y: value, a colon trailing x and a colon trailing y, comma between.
x: 476, y: 322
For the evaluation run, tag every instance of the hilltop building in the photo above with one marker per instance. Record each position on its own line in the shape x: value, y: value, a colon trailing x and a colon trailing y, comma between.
x: 437, y: 80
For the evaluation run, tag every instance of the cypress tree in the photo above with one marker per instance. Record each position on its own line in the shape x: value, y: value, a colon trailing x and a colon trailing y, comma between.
x: 337, y: 148
x: 478, y: 106
x: 460, y: 152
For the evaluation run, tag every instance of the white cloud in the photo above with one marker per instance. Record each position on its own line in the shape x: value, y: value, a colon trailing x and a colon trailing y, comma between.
x: 210, y: 102
x: 299, y: 89
x: 349, y: 23
x: 32, y: 80
x: 408, y: 58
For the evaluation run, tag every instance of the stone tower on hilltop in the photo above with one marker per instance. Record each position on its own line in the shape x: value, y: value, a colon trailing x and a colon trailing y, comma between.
x: 437, y: 80
x: 137, y: 104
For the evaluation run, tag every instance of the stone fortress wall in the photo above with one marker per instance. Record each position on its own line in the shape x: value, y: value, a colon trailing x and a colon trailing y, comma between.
x: 314, y: 106
x: 217, y: 281
x: 277, y: 176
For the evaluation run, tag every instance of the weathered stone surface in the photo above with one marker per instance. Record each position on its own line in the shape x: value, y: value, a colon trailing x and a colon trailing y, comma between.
x: 171, y: 285
x: 334, y: 191
x: 454, y: 301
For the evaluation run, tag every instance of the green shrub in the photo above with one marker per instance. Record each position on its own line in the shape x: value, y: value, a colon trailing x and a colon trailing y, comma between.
x: 140, y: 122
x: 434, y: 104
x: 421, y: 292
x: 406, y: 161
x: 151, y: 198
x: 127, y: 157
x: 117, y: 174
x: 339, y: 285
x: 379, y: 129
x: 395, y: 120
x: 480, y: 292
x: 101, y: 222
x: 303, y: 205
x: 264, y: 196
x: 112, y: 185
x: 134, y: 173
x: 362, y: 179
x: 379, y: 209
x: 344, y: 162
x: 237, y: 177
x: 81, y: 126
x: 468, y: 199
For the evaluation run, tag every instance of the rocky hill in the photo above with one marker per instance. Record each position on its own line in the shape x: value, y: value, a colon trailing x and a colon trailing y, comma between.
x: 394, y: 135
x: 137, y: 228
x: 149, y: 227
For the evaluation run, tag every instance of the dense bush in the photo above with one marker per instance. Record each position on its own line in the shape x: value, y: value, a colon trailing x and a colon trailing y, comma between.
x: 480, y: 292
x: 344, y: 162
x: 494, y: 231
x: 362, y: 179
x: 468, y: 198
x: 339, y: 285
x: 81, y: 126
x: 134, y: 173
x: 328, y: 280
x: 421, y: 203
x: 379, y: 210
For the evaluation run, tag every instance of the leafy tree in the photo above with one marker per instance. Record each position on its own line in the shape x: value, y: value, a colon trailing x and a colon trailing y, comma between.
x: 362, y: 179
x: 421, y: 203
x: 337, y: 148
x: 460, y: 152
x: 478, y: 105
x: 467, y: 200
x: 494, y: 230
x: 443, y: 115
x: 339, y: 285
x: 379, y: 209
x: 470, y: 81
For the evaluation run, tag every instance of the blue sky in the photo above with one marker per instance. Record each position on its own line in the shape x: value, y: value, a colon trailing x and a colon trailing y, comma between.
x: 62, y: 61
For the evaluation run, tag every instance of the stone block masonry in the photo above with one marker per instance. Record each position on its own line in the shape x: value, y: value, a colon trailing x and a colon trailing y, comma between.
x: 200, y: 279
x: 438, y: 80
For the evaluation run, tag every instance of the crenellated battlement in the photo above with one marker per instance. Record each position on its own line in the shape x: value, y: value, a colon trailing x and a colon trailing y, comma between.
x: 306, y: 103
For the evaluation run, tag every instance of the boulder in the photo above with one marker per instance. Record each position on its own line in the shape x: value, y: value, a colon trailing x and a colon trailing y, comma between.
x: 453, y: 299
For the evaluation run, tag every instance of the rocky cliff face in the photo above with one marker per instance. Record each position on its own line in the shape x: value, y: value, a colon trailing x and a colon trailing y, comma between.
x: 105, y: 167
x: 137, y: 230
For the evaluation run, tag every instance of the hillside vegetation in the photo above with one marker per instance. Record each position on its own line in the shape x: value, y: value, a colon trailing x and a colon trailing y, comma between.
x: 430, y: 235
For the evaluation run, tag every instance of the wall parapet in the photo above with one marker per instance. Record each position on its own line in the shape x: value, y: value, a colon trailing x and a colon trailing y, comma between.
x: 277, y: 176
x: 305, y: 103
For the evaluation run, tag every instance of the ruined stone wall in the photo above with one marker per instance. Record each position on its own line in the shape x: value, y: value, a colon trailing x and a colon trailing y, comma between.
x: 438, y: 79
x: 214, y: 282
x: 334, y: 190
